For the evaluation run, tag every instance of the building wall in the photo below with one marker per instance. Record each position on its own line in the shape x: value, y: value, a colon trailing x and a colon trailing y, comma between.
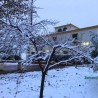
x: 83, y: 35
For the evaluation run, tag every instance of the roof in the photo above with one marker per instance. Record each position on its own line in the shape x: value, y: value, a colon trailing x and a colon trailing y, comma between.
x: 67, y: 25
x: 73, y: 31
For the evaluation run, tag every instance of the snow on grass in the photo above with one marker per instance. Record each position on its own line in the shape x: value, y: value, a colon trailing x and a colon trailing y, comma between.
x: 60, y: 83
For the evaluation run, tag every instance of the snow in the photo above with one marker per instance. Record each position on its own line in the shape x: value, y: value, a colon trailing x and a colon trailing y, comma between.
x: 23, y: 56
x: 60, y: 83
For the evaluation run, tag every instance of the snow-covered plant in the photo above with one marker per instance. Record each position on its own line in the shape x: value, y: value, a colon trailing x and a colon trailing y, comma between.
x: 48, y: 58
x: 11, y: 15
x: 20, y: 26
x: 94, y: 40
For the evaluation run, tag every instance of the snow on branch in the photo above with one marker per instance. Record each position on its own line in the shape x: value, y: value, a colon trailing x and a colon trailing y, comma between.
x: 38, y: 56
x: 53, y: 52
x: 65, y: 61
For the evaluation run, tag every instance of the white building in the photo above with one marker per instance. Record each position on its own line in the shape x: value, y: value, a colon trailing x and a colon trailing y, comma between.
x: 70, y: 31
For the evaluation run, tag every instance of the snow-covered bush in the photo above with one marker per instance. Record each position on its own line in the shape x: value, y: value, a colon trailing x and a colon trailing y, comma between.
x: 94, y: 40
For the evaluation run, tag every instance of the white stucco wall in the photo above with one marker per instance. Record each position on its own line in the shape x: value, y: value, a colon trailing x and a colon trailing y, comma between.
x: 86, y: 34
x: 83, y: 35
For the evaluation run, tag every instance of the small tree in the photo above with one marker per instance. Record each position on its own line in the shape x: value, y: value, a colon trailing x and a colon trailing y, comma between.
x: 50, y: 63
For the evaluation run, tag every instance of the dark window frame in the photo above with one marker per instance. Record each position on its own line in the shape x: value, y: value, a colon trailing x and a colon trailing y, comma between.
x: 54, y: 38
x: 75, y: 36
x: 64, y: 29
x: 59, y: 30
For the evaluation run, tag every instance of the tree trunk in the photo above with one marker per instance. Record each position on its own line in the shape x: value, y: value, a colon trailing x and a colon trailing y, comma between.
x: 42, y: 84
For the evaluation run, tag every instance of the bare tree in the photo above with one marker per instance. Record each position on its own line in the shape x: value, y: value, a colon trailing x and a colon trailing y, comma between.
x: 11, y: 15
x: 21, y: 24
x: 50, y: 63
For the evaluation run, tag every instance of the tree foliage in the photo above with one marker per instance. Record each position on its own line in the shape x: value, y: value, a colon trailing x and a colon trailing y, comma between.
x: 94, y: 40
x: 20, y: 25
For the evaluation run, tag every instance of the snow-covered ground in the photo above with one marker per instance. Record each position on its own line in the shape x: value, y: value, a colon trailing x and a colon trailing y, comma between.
x: 60, y: 83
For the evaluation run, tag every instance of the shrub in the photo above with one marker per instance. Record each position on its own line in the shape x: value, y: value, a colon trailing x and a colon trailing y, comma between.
x: 11, y: 57
x: 94, y: 53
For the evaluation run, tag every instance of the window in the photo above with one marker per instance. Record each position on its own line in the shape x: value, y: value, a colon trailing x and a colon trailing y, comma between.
x: 64, y: 29
x: 59, y: 30
x: 74, y: 36
x: 54, y: 38
x: 46, y: 50
x: 85, y: 43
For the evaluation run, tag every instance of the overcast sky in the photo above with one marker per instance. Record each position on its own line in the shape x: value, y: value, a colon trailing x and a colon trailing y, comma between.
x: 82, y: 13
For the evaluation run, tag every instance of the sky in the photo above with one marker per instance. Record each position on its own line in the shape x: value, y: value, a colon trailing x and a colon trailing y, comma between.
x: 82, y: 13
